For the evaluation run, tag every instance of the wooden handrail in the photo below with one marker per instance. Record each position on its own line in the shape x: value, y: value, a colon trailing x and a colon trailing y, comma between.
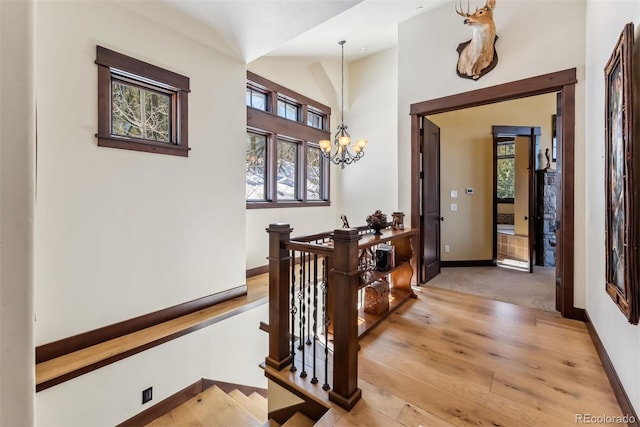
x: 313, y: 248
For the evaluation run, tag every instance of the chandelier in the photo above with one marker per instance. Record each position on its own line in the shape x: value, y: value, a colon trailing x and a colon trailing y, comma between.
x: 342, y: 156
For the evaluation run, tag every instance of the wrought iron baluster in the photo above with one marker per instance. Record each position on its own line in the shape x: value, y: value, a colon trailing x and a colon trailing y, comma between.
x: 325, y: 320
x: 293, y: 310
x: 314, y: 379
x: 308, y: 282
x: 301, y: 292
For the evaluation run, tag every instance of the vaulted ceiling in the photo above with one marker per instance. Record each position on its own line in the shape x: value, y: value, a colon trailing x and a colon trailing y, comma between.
x: 249, y: 29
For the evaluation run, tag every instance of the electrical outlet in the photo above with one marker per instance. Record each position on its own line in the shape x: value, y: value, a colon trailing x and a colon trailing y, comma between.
x: 147, y: 395
x: 446, y: 248
x: 454, y: 207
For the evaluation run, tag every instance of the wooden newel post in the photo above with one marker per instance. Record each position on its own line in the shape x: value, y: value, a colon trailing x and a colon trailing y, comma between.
x: 279, y: 266
x: 344, y: 295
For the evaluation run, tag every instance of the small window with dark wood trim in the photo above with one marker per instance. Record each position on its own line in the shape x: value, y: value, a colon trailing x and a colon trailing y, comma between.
x: 257, y: 98
x: 141, y: 107
x: 288, y: 109
x: 315, y: 119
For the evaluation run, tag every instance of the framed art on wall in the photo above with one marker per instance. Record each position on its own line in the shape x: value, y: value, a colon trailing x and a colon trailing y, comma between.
x: 621, y: 274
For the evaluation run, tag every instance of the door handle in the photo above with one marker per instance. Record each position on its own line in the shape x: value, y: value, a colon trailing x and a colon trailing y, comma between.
x: 441, y: 218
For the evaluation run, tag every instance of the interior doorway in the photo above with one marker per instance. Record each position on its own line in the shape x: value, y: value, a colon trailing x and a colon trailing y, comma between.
x: 562, y: 82
x: 515, y: 158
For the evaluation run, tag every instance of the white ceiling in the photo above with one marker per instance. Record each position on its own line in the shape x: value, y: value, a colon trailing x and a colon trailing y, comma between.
x: 249, y: 29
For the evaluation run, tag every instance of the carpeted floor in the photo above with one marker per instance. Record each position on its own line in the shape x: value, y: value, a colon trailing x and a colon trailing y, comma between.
x: 536, y: 290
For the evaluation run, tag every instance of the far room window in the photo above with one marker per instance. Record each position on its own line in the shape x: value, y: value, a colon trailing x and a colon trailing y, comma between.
x: 141, y: 107
x: 506, y: 167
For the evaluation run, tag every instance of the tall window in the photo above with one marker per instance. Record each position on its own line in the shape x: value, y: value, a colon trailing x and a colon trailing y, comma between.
x: 256, y: 162
x: 140, y: 106
x: 284, y: 165
x: 315, y: 171
x: 506, y: 165
x: 287, y: 170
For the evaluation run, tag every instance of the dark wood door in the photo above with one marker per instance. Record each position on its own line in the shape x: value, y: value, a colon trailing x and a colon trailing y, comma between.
x: 430, y: 216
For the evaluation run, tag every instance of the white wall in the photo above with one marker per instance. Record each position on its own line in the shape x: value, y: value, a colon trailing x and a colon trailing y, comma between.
x: 372, y: 182
x: 536, y: 37
x: 123, y: 233
x: 370, y: 106
x: 605, y: 21
x: 17, y: 196
x: 112, y: 394
x: 315, y: 79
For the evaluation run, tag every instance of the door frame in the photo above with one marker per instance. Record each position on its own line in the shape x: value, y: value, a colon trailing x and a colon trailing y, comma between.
x: 533, y: 135
x: 562, y: 82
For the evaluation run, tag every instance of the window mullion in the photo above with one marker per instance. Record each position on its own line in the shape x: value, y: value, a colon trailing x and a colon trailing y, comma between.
x: 272, y: 159
x: 302, y: 160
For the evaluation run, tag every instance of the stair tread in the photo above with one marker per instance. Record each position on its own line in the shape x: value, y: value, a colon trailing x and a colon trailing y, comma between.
x: 211, y: 407
x: 299, y: 420
x: 271, y: 423
x: 257, y: 397
x: 258, y: 410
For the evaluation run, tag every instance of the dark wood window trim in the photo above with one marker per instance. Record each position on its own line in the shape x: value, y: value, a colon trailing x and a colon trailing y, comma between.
x: 113, y: 64
x: 275, y: 127
x: 274, y: 90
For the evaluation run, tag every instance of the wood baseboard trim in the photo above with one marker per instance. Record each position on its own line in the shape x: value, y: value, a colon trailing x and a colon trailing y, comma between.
x: 468, y: 263
x: 577, y: 314
x: 264, y: 327
x: 87, y: 339
x: 612, y: 375
x: 177, y: 399
x: 229, y: 387
x: 164, y: 406
x: 256, y: 271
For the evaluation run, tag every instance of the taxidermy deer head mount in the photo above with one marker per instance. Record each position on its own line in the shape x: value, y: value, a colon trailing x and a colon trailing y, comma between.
x: 478, y: 56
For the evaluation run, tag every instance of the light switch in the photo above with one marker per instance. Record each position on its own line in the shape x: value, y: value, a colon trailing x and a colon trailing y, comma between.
x: 454, y: 194
x: 454, y: 207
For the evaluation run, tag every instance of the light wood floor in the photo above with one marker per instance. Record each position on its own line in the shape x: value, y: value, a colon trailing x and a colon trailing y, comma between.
x: 449, y: 358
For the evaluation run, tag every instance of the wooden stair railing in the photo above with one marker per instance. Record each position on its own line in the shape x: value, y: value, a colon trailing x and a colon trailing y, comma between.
x: 339, y: 259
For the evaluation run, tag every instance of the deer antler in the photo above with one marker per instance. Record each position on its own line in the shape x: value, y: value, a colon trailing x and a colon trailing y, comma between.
x: 460, y: 12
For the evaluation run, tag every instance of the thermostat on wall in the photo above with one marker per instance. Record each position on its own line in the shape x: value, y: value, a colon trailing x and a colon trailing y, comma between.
x: 469, y: 190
